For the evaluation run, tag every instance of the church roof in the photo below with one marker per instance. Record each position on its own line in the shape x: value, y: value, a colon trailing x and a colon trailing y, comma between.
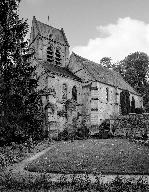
x: 103, y: 74
x: 42, y: 27
x: 59, y: 70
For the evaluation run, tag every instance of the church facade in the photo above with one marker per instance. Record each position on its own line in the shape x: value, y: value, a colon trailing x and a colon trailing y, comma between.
x: 74, y: 89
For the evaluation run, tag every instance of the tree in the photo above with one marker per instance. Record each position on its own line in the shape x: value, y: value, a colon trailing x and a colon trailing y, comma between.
x: 19, y: 102
x: 106, y: 62
x: 134, y: 69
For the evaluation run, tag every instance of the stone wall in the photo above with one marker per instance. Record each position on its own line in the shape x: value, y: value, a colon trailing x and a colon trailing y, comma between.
x: 56, y: 83
x: 105, y: 102
x: 86, y: 105
x: 132, y: 125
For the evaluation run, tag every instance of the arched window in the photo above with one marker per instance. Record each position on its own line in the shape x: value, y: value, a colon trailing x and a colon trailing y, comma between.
x: 58, y: 60
x: 74, y: 93
x: 64, y: 91
x: 50, y: 54
x: 50, y: 36
x: 133, y: 105
x: 125, y: 102
x: 107, y: 94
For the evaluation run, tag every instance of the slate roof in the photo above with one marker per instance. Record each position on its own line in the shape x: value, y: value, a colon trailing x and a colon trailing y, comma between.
x: 59, y: 70
x: 42, y: 27
x: 104, y: 75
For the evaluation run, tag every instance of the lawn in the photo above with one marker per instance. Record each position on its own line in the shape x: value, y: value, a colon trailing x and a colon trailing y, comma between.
x: 109, y: 156
x: 18, y: 152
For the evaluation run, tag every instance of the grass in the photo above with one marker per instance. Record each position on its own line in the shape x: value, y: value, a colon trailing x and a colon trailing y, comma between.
x: 110, y: 156
x: 18, y: 152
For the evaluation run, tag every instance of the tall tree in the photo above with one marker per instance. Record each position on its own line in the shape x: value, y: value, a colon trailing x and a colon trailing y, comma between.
x: 106, y: 62
x: 134, y: 69
x: 19, y: 102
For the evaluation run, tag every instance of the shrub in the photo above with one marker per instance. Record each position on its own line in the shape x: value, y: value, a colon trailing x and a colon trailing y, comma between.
x: 104, y: 130
x: 63, y: 135
x: 139, y: 110
x: 82, y: 132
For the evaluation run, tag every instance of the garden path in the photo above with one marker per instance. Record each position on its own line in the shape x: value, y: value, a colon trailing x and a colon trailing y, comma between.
x: 17, y: 170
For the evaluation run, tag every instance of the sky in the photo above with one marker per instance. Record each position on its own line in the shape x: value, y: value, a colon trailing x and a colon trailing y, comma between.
x: 95, y: 28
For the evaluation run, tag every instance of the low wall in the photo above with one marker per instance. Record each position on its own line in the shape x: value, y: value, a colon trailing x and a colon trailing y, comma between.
x: 132, y: 125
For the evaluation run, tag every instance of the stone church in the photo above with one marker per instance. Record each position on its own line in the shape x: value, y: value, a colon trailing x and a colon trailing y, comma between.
x: 74, y: 89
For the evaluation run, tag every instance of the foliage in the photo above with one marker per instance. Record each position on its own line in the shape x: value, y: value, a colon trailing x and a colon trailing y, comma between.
x: 63, y: 135
x: 104, y: 130
x: 106, y: 62
x: 134, y: 69
x: 132, y: 126
x: 17, y: 152
x: 82, y: 132
x: 62, y: 113
x: 139, y: 110
x: 21, y: 114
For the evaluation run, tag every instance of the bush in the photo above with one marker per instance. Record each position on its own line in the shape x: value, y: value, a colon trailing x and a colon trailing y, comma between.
x: 139, y: 110
x: 82, y: 132
x: 63, y: 135
x: 104, y: 130
x: 71, y: 133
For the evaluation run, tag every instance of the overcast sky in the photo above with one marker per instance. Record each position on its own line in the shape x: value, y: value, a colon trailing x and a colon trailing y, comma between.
x: 96, y: 28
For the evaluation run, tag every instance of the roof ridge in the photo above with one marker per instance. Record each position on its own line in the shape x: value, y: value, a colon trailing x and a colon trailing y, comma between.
x: 91, y: 61
x: 117, y: 76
